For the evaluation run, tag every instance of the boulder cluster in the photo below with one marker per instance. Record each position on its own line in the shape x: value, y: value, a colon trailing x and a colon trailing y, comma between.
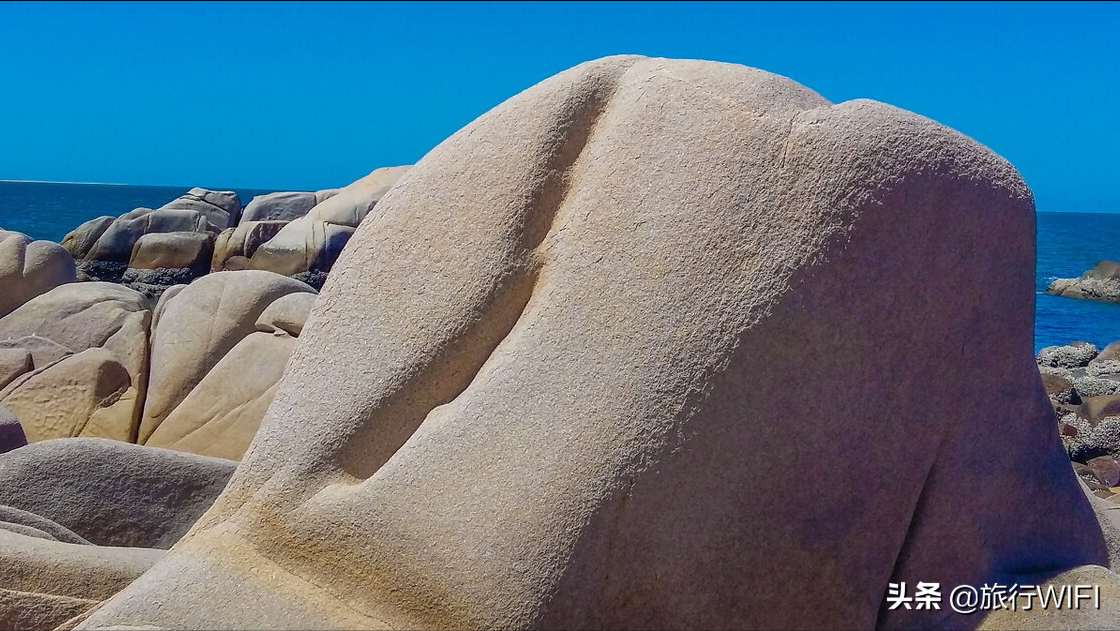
x: 1100, y: 283
x: 542, y: 386
x: 298, y: 234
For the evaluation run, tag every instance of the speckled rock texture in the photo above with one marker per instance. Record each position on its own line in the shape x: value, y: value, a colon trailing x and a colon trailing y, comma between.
x: 1100, y: 283
x: 112, y: 493
x: 536, y: 391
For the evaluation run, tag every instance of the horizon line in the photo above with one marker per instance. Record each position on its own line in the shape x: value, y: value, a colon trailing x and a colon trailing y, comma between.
x: 57, y: 182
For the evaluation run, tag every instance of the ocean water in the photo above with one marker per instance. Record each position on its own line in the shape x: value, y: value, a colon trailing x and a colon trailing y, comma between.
x: 1068, y: 244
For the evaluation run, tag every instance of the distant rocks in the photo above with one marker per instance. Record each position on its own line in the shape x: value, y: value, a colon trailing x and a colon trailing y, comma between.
x: 1100, y: 283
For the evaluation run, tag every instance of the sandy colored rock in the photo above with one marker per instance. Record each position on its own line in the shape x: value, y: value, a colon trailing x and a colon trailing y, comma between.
x: 13, y: 363
x: 284, y: 206
x: 314, y: 241
x: 81, y: 240
x: 243, y: 241
x: 81, y: 317
x: 44, y: 583
x: 86, y: 394
x: 12, y: 435
x: 223, y: 412
x: 189, y: 250
x: 221, y: 208
x: 119, y: 239
x: 43, y: 351
x: 528, y: 396
x: 287, y: 314
x: 198, y: 326
x: 29, y: 268
x: 46, y: 528
x: 112, y: 493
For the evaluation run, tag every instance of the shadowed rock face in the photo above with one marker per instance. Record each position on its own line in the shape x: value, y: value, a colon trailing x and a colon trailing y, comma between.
x: 535, y: 391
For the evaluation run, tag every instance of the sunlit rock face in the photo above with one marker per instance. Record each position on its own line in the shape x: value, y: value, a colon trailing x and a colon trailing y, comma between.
x: 578, y: 367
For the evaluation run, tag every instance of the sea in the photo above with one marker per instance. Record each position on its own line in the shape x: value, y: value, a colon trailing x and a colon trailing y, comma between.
x: 1068, y: 244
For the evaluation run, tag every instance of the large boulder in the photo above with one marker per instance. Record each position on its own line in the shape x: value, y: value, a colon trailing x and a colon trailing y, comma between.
x: 189, y: 250
x: 1100, y: 283
x: 47, y: 584
x: 532, y: 393
x: 81, y: 240
x: 221, y: 208
x: 112, y: 493
x: 243, y: 241
x: 313, y: 242
x: 279, y: 206
x: 117, y: 242
x: 89, y: 341
x: 29, y: 268
x: 198, y: 326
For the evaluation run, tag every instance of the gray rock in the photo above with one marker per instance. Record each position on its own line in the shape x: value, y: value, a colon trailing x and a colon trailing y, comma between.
x: 113, y: 493
x: 1100, y: 283
x: 1105, y: 368
x: 1075, y: 355
x: 1095, y: 387
x: 55, y: 531
x: 279, y: 206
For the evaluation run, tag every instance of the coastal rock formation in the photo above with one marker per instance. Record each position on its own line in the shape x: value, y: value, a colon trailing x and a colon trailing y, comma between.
x: 197, y: 327
x: 314, y: 241
x: 29, y: 268
x: 44, y: 583
x: 89, y: 348
x: 242, y: 242
x: 283, y: 206
x: 1100, y: 283
x: 112, y: 493
x: 530, y: 395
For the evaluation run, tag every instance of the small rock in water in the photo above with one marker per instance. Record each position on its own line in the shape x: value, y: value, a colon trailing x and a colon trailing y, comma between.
x: 1075, y: 355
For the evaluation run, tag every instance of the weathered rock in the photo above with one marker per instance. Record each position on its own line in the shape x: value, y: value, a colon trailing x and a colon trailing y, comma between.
x: 44, y: 584
x: 1109, y: 353
x: 325, y: 194
x: 529, y: 394
x: 313, y: 242
x: 1106, y: 469
x: 1100, y: 283
x: 112, y: 493
x: 43, y: 352
x: 223, y: 412
x: 243, y: 241
x: 86, y: 394
x: 1103, y: 439
x: 1097, y: 368
x: 183, y: 250
x: 1087, y: 616
x: 279, y: 206
x: 221, y: 208
x: 1097, y: 408
x: 1075, y: 355
x: 45, y: 528
x: 81, y: 317
x: 12, y: 435
x: 1060, y: 389
x: 13, y: 363
x: 287, y: 314
x: 1091, y: 387
x: 151, y: 283
x: 30, y: 268
x: 119, y: 239
x: 198, y: 326
x: 81, y: 240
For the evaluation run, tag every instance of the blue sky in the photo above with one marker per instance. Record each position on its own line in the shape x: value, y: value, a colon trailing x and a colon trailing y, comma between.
x: 314, y: 95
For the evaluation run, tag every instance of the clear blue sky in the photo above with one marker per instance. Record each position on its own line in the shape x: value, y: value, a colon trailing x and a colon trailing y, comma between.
x: 314, y: 95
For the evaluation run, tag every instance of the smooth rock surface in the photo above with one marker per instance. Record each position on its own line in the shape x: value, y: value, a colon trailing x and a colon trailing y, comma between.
x: 198, y: 326
x: 314, y: 242
x: 284, y: 206
x: 29, y: 268
x: 529, y: 395
x: 189, y: 250
x: 112, y: 493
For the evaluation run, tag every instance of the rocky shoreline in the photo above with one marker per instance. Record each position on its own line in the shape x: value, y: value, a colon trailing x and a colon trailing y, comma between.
x: 573, y: 369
